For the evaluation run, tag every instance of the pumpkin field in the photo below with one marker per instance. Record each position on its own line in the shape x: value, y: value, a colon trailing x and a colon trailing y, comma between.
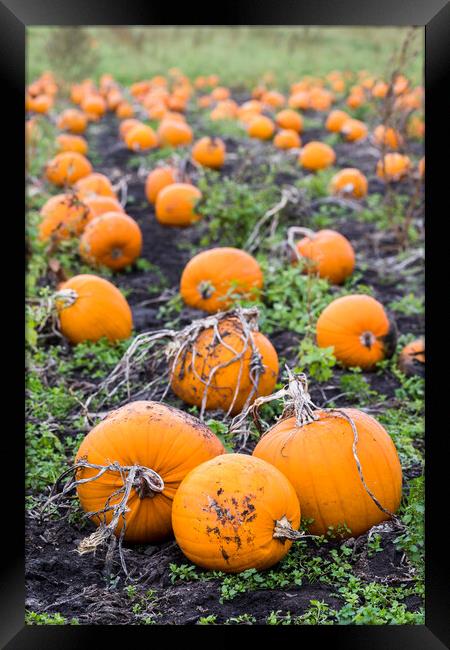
x: 225, y: 350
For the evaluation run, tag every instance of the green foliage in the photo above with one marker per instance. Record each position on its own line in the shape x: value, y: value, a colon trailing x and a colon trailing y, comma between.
x: 62, y: 44
x: 410, y: 305
x: 412, y: 541
x: 207, y: 620
x: 316, y: 362
x: 356, y: 387
x: 182, y: 572
x: 33, y: 618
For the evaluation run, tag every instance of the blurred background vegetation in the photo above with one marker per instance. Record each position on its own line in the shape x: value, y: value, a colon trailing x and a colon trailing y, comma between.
x: 239, y: 55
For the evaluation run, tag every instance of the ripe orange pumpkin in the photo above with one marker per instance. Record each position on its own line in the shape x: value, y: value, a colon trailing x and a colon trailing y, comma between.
x: 99, y: 204
x: 68, y: 142
x: 335, y: 121
x: 411, y: 360
x: 226, y: 512
x: 329, y: 254
x: 359, y: 330
x: 175, y: 204
x: 354, y: 130
x: 154, y: 436
x: 90, y: 308
x: 211, y: 276
x: 289, y: 119
x: 72, y: 120
x: 40, y: 104
x: 393, y: 167
x: 93, y: 105
x: 126, y: 125
x: 380, y: 90
x: 94, y: 185
x: 141, y: 138
x: 113, y: 239
x: 300, y: 99
x: 421, y: 167
x: 387, y: 137
x: 273, y: 99
x: 174, y: 133
x: 158, y: 179
x: 316, y: 155
x: 260, y: 127
x: 317, y: 458
x: 63, y: 216
x: 67, y: 168
x: 124, y: 111
x: 209, y: 152
x: 349, y: 182
x: 231, y: 379
x: 287, y: 139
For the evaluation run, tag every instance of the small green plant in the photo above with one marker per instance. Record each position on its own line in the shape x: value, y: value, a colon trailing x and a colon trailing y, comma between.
x: 207, y: 620
x: 182, y: 572
x: 314, y: 361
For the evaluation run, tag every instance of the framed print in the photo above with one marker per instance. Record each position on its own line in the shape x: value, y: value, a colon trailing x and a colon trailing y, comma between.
x: 225, y: 288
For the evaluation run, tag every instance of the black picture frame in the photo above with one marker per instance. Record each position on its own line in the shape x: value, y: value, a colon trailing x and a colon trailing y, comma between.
x: 434, y: 15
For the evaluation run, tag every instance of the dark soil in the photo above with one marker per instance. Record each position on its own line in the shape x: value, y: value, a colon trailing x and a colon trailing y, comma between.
x: 58, y: 579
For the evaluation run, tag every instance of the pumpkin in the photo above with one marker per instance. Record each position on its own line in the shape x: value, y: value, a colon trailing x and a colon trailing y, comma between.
x: 421, y: 167
x: 316, y: 455
x: 359, y: 330
x: 287, y: 139
x: 329, y: 254
x: 349, y: 182
x: 94, y: 185
x: 72, y: 143
x: 113, y: 99
x: 93, y: 105
x: 209, y: 152
x: 213, y: 277
x: 300, y: 100
x: 40, y: 104
x: 289, y: 119
x: 320, y: 99
x: 72, y: 120
x: 411, y: 360
x: 316, y: 155
x: 174, y: 133
x: 175, y: 204
x: 63, y: 216
x: 220, y: 93
x: 387, y: 137
x: 99, y: 204
x: 158, y: 179
x: 67, y: 168
x: 124, y: 111
x: 335, y: 121
x: 228, y: 514
x: 273, y: 99
x: 151, y: 436
x: 141, y: 138
x: 380, y: 90
x: 227, y: 372
x: 260, y: 127
x: 113, y: 239
x: 355, y: 100
x: 416, y: 127
x: 126, y: 125
x: 90, y: 308
x: 354, y: 130
x: 393, y: 167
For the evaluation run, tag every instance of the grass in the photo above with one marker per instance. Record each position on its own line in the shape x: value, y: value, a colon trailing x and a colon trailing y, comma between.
x: 240, y: 55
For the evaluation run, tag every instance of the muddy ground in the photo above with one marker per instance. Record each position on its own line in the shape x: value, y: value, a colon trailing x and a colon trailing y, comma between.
x: 57, y: 578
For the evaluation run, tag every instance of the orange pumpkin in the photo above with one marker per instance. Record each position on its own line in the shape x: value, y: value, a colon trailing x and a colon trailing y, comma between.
x: 126, y: 125
x: 94, y: 185
x: 99, y: 204
x: 289, y: 119
x: 212, y: 278
x: 90, y: 308
x: 273, y: 98
x: 411, y: 360
x: 175, y: 204
x: 63, y: 216
x: 141, y: 138
x: 40, y: 104
x: 67, y: 168
x: 354, y: 130
x: 349, y: 182
x: 113, y: 239
x: 225, y: 373
x: 317, y: 458
x: 227, y: 514
x: 93, y: 105
x: 316, y: 155
x: 72, y: 143
x: 220, y: 93
x: 393, y: 167
x: 174, y: 133
x: 300, y: 99
x: 124, y: 111
x: 387, y: 137
x: 287, y: 139
x: 155, y: 437
x: 416, y: 127
x: 421, y: 167
x: 260, y: 127
x: 158, y: 179
x: 209, y: 152
x: 359, y: 330
x: 380, y: 90
x: 72, y: 120
x: 335, y: 121
x: 329, y: 254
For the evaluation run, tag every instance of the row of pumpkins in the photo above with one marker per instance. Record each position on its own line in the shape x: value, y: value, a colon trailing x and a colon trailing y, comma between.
x: 227, y: 511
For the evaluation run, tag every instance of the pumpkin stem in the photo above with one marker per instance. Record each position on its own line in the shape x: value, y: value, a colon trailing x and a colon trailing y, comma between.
x: 148, y: 483
x: 291, y: 235
x: 283, y: 530
x: 206, y: 289
x: 65, y: 297
x: 116, y: 253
